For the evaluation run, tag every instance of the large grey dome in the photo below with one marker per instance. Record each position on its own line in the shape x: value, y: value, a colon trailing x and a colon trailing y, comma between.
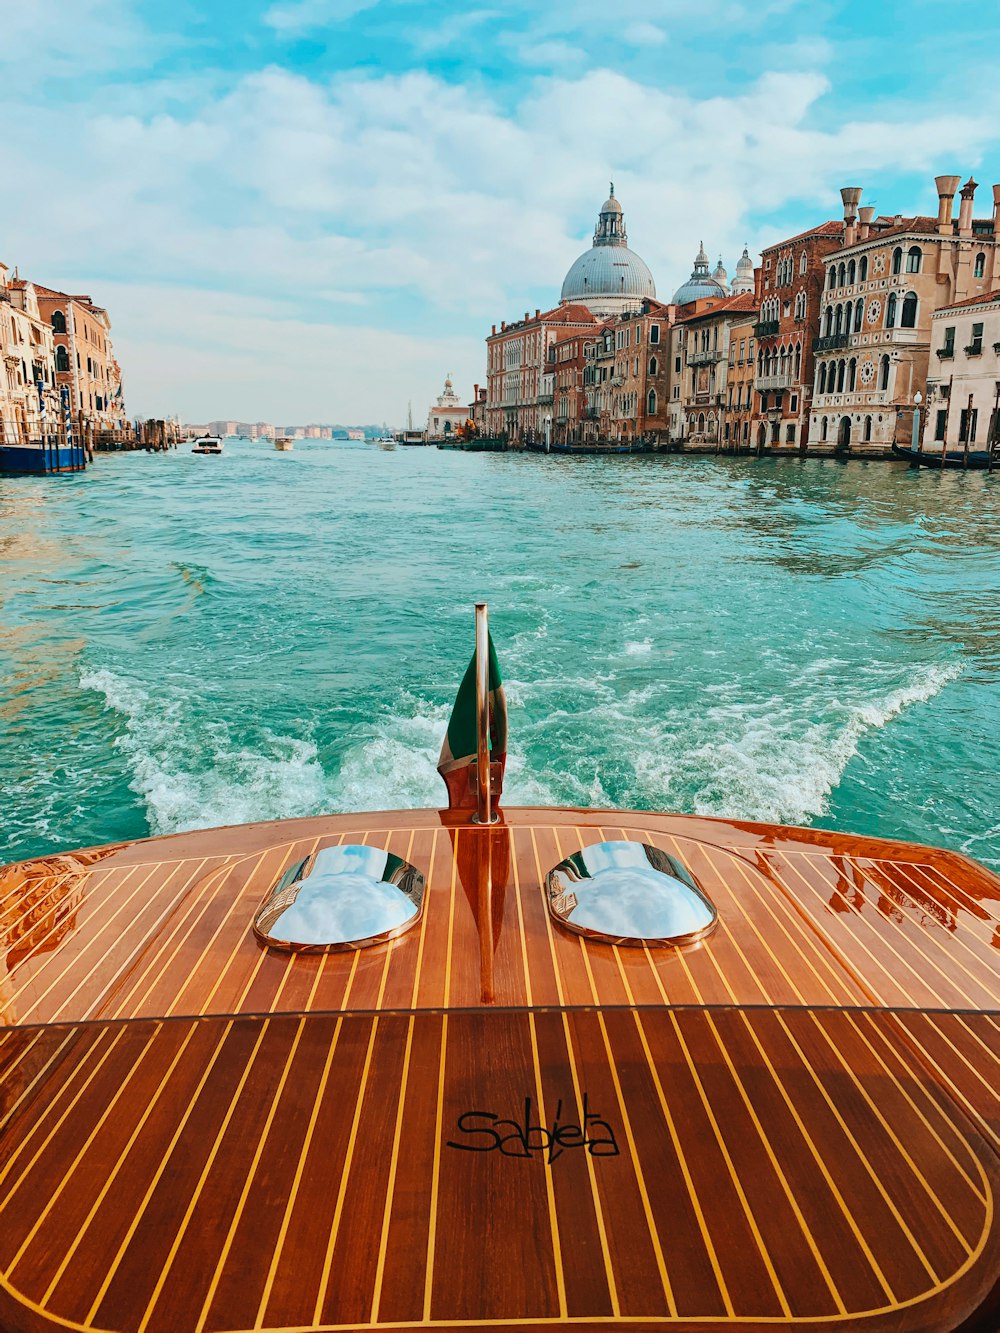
x: 608, y: 271
x: 701, y: 283
x: 609, y: 277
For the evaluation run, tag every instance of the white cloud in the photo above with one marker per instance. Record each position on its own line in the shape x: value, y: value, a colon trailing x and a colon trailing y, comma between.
x: 309, y: 210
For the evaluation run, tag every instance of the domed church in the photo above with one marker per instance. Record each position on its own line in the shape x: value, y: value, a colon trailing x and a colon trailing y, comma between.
x: 609, y: 278
x: 702, y: 284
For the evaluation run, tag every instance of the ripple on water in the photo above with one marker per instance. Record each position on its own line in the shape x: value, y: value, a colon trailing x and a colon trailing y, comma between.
x: 284, y: 635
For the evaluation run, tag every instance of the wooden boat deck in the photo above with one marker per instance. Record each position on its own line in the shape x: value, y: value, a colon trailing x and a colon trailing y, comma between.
x: 795, y: 1123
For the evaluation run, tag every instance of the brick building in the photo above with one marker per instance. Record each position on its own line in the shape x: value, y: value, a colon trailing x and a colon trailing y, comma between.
x: 882, y: 290
x: 791, y: 295
x: 518, y: 403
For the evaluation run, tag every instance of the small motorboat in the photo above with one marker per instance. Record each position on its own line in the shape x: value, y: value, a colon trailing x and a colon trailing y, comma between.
x: 207, y: 444
x: 978, y: 459
x: 283, y: 446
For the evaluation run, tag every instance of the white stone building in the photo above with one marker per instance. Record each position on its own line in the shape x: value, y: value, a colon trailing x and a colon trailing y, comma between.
x: 963, y: 383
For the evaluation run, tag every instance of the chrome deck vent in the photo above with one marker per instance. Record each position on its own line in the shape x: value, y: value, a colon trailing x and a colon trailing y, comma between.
x: 629, y: 893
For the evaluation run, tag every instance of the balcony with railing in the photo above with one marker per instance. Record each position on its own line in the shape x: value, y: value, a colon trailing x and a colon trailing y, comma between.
x: 768, y: 383
x: 546, y: 396
x: 705, y: 358
x: 765, y: 328
x: 831, y: 342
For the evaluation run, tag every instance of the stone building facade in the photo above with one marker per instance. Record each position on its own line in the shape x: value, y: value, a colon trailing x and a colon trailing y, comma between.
x: 791, y: 291
x: 737, y: 431
x: 85, y: 361
x: 29, y: 401
x: 882, y: 289
x: 699, y: 386
x: 963, y: 383
x: 446, y: 415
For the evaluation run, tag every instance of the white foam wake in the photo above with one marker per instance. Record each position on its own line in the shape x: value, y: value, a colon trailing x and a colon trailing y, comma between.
x: 191, y: 776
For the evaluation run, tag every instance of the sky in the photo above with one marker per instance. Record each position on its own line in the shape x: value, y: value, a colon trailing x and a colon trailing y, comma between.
x: 312, y: 210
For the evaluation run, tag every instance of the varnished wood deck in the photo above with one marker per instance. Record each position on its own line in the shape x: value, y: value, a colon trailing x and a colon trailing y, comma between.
x: 196, y: 1133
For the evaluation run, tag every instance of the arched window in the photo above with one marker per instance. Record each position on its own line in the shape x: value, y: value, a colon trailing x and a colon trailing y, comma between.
x: 852, y: 375
x: 883, y: 380
x: 803, y: 262
x: 890, y: 311
x: 822, y: 377
x: 868, y: 428
x: 829, y: 321
x: 62, y: 359
x: 58, y: 322
x: 839, y: 325
x: 848, y: 311
x: 863, y: 269
x: 798, y: 361
x: 859, y: 314
x: 823, y: 428
x: 909, y: 317
x: 653, y: 365
x: 841, y: 376
x: 977, y: 272
x: 851, y: 273
x: 651, y: 403
x: 913, y: 258
x: 897, y: 260
x: 841, y: 275
x: 701, y: 423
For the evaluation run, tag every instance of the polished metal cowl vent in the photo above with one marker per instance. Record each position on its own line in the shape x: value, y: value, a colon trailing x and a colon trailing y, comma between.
x: 341, y: 898
x: 629, y: 893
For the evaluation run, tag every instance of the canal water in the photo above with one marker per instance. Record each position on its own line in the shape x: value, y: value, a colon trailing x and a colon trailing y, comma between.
x: 190, y: 641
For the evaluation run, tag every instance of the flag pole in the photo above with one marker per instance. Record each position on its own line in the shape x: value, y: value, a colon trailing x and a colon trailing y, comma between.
x: 484, y: 813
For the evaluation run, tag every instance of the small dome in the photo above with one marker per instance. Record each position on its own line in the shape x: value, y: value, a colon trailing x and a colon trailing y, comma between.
x: 743, y: 281
x: 701, y: 284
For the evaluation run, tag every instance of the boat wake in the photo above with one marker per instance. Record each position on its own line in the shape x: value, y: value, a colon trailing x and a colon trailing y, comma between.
x: 196, y: 775
x: 776, y: 759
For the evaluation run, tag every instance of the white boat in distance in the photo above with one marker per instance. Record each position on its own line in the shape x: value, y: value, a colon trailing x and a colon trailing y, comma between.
x: 207, y: 444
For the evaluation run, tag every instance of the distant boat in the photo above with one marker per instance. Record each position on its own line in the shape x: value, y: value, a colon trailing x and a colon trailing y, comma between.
x: 207, y: 444
x: 950, y: 458
x: 284, y: 446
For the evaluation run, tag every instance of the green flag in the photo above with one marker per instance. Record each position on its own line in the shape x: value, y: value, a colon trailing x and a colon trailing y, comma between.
x: 459, y: 751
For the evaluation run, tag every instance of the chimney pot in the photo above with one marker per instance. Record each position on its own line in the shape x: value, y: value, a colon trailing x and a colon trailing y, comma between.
x: 996, y: 210
x: 965, y: 209
x: 947, y: 186
x: 865, y: 216
x: 538, y: 311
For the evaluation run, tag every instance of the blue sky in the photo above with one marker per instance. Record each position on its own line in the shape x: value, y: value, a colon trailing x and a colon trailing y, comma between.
x: 312, y: 209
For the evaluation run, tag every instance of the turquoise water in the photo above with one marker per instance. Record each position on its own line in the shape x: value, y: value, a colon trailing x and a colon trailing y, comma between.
x: 190, y: 641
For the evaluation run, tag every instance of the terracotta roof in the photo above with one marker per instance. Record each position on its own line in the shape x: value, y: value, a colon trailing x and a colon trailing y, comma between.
x: 983, y: 299
x: 824, y: 229
x: 745, y: 301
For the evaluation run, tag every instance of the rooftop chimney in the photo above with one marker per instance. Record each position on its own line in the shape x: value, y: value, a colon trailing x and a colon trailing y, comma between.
x: 996, y: 210
x: 538, y: 311
x: 965, y: 208
x: 493, y: 334
x: 946, y: 188
x: 865, y: 216
x: 851, y: 195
